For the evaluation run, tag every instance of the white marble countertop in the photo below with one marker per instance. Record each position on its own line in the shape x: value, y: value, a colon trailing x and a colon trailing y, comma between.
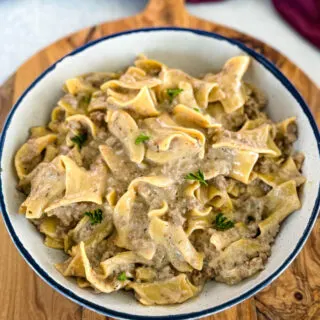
x: 26, y: 26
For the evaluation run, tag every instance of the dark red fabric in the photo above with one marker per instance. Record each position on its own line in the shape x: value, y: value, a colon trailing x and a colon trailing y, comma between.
x: 302, y: 15
x: 198, y: 1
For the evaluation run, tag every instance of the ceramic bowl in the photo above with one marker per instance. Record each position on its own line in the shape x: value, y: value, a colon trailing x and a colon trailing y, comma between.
x: 196, y: 52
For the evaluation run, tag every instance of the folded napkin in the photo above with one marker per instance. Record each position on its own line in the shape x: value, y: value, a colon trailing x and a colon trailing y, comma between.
x: 302, y: 15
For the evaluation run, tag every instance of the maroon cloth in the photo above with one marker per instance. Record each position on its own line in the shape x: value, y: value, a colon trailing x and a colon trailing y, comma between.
x: 302, y: 15
x: 198, y: 1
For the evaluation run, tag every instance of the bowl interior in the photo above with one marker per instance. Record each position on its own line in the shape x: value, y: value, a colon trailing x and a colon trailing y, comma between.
x: 195, y: 53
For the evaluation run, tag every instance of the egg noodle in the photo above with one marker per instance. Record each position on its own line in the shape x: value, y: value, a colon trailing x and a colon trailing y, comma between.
x: 155, y: 181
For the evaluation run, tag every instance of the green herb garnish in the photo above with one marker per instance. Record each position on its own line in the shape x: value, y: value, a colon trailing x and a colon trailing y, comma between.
x: 86, y: 99
x: 122, y: 276
x: 172, y: 93
x: 222, y: 223
x: 80, y: 139
x: 141, y: 138
x: 196, y: 109
x: 95, y: 216
x: 198, y: 176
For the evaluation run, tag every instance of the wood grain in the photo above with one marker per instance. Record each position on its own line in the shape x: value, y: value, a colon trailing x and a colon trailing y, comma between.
x: 23, y: 295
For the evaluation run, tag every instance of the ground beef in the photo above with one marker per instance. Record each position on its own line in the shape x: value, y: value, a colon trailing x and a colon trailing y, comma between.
x: 220, y: 182
x: 256, y: 101
x: 292, y: 132
x: 179, y: 168
x: 248, y: 208
x: 265, y: 165
x: 285, y: 141
x: 98, y: 118
x: 109, y: 248
x: 218, y: 160
x: 240, y: 272
x: 99, y: 101
x: 166, y: 273
x: 138, y: 235
x: 31, y: 158
x: 160, y: 258
x: 234, y: 121
x: 201, y: 241
x: 96, y: 79
x: 71, y: 214
x: 258, y: 188
x: 252, y: 111
x: 175, y: 216
x: 89, y: 153
x: 298, y: 159
x: 70, y: 100
x: 284, y: 145
x: 60, y: 115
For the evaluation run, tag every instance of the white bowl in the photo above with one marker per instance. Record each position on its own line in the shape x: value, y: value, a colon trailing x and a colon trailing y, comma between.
x: 195, y: 52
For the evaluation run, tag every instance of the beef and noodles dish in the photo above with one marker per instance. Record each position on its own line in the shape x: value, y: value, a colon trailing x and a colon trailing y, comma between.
x: 154, y: 181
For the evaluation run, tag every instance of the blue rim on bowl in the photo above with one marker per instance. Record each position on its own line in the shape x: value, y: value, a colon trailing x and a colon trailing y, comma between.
x: 100, y: 309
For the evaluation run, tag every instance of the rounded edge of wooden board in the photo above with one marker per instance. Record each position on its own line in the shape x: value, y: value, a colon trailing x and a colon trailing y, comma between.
x: 28, y: 71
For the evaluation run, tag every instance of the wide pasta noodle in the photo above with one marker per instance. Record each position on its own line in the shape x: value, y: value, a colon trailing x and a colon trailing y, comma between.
x: 187, y: 116
x: 230, y: 85
x: 199, y: 220
x: 96, y: 280
x: 30, y: 152
x: 170, y: 141
x: 47, y: 185
x: 81, y: 185
x: 280, y: 202
x: 143, y: 102
x: 76, y: 85
x: 122, y: 214
x: 175, y: 240
x: 123, y: 126
x: 175, y: 290
x: 84, y: 121
x: 241, y: 164
x: 155, y: 181
x: 287, y: 171
x: 257, y: 140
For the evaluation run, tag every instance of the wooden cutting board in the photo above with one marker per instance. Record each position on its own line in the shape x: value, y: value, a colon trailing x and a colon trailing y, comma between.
x: 23, y: 295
